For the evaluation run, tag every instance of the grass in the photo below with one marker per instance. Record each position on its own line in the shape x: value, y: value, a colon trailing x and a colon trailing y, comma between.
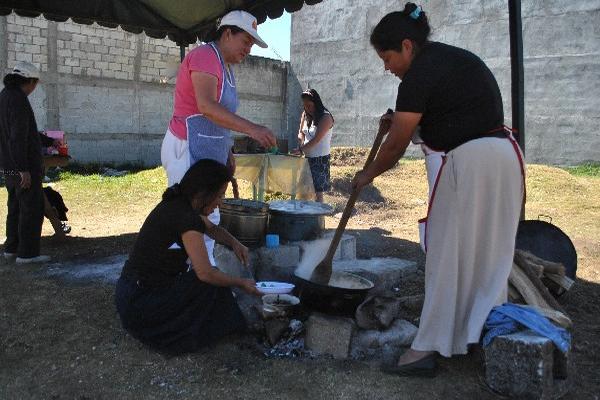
x: 103, y: 206
x: 586, y: 169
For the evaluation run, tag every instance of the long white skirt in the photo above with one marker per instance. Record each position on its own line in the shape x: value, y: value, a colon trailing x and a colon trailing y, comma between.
x: 175, y: 159
x: 471, y: 231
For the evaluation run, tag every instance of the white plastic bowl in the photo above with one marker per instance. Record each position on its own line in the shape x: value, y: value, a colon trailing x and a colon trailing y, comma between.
x: 271, y: 287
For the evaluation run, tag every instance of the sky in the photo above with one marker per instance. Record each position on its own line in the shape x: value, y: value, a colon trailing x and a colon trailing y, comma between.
x: 276, y: 33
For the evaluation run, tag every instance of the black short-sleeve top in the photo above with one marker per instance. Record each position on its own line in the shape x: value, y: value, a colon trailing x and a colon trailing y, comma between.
x: 158, y: 255
x: 455, y: 91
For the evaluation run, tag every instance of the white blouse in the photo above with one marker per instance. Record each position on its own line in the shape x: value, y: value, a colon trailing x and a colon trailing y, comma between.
x: 322, y: 148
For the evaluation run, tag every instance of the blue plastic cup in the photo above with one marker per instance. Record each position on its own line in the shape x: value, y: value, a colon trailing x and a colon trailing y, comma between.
x: 272, y: 240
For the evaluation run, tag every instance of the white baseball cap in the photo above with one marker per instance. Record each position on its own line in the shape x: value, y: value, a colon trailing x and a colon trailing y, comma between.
x: 26, y: 70
x: 245, y: 21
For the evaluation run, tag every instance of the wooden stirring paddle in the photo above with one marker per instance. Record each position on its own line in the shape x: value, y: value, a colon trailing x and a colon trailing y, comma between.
x: 322, y: 272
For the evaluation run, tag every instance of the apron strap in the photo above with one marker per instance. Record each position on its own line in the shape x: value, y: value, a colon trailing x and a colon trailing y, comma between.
x: 435, y: 185
x: 508, y: 131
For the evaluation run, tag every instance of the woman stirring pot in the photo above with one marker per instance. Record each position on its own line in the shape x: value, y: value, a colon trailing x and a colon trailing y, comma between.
x: 475, y: 205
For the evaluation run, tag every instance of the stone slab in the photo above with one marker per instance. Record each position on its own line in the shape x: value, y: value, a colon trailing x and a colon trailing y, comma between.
x: 326, y: 334
x: 372, y: 344
x: 526, y: 365
x: 385, y: 273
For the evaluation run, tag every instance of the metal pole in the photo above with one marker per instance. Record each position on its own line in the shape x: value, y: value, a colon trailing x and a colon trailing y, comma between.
x: 517, y: 77
x: 517, y: 73
x: 182, y: 52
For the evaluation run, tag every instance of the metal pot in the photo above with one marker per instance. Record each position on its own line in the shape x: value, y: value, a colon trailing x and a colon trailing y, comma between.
x: 246, y: 220
x: 547, y: 241
x: 333, y: 299
x: 296, y: 220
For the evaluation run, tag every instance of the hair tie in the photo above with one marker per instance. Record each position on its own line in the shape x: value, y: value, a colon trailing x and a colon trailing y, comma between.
x: 416, y: 13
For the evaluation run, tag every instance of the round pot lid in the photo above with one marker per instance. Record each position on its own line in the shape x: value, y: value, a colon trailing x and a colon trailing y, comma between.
x: 300, y: 207
x: 245, y: 205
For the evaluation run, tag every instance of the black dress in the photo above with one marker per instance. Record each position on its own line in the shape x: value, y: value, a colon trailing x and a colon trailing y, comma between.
x: 160, y: 300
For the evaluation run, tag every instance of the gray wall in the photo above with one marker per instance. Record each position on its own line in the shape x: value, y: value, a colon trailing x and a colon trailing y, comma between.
x: 103, y: 86
x: 330, y: 52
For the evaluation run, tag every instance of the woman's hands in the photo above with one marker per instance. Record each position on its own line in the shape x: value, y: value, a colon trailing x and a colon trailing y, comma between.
x: 296, y: 152
x: 249, y: 286
x: 241, y: 252
x: 263, y: 136
x: 361, y: 179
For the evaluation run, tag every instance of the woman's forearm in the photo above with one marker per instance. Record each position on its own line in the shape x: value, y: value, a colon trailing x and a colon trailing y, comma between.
x: 220, y: 235
x: 386, y: 159
x: 215, y: 277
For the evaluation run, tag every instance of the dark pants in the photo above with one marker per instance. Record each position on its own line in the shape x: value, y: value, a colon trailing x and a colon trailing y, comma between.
x: 25, y: 217
x: 180, y: 318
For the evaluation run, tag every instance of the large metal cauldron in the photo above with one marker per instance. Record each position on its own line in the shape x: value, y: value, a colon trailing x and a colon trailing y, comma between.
x: 246, y: 220
x: 343, y: 295
x: 296, y: 220
x: 547, y: 241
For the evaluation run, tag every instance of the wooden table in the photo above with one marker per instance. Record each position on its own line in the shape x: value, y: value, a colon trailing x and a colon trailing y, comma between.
x: 49, y: 211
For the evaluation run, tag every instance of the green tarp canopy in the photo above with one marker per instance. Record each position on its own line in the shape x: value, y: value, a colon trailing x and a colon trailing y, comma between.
x: 182, y: 21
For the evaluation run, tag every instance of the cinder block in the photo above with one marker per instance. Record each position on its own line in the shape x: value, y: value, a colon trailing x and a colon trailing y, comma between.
x: 385, y: 273
x: 526, y: 365
x: 326, y: 334
x: 277, y: 263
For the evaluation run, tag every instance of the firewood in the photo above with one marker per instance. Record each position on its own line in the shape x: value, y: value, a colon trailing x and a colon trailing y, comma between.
x: 525, y: 287
x: 523, y: 256
x: 543, y: 290
x: 560, y: 318
x: 513, y: 294
x: 563, y: 281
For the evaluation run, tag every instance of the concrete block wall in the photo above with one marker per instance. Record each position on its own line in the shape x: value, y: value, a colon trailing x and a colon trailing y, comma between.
x: 330, y: 51
x: 103, y: 86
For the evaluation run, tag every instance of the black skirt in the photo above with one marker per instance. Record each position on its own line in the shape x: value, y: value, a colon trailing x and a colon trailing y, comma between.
x: 180, y: 318
x: 319, y: 168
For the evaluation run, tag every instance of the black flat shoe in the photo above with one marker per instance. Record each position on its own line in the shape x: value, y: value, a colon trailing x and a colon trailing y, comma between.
x: 425, y: 367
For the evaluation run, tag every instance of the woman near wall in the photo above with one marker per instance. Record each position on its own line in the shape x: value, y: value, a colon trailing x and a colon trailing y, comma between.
x: 475, y: 204
x: 169, y: 296
x: 205, y: 103
x: 314, y: 139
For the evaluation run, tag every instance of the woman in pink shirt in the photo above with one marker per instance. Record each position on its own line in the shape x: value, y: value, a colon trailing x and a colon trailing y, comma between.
x: 205, y: 103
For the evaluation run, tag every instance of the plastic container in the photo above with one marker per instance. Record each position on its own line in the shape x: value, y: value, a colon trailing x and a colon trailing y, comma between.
x: 272, y: 241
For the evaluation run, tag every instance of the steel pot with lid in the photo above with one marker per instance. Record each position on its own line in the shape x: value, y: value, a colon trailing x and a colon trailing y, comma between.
x: 246, y: 220
x: 296, y: 220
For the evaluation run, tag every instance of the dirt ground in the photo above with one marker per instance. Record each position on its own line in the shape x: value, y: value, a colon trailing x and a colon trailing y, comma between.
x: 62, y: 339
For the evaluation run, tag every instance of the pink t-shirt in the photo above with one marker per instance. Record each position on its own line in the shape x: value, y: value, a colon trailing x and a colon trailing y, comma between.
x: 203, y: 59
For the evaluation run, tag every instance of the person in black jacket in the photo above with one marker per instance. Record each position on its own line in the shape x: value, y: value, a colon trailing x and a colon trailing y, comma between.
x: 22, y: 165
